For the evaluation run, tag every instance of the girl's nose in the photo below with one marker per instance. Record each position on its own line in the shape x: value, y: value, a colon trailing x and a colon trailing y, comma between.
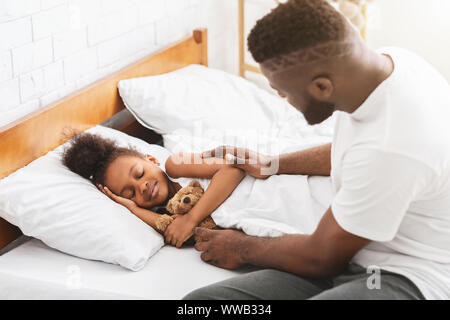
x: 144, y: 187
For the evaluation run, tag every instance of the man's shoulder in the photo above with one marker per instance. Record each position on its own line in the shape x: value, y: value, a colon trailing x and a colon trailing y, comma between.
x: 401, y: 54
x: 412, y: 69
x: 377, y: 157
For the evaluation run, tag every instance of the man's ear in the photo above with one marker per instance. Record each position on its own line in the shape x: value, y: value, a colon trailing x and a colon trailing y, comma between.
x: 152, y: 159
x: 321, y: 88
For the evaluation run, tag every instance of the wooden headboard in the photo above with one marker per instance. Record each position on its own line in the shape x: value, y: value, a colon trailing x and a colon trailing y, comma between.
x: 32, y: 136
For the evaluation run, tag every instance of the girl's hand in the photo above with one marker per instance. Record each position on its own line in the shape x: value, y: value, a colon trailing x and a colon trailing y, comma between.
x: 181, y: 229
x: 128, y: 203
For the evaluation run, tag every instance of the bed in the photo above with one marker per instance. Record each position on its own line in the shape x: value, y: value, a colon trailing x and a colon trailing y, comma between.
x: 29, y: 269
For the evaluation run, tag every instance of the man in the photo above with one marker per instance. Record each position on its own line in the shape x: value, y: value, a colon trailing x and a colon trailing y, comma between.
x: 389, y: 163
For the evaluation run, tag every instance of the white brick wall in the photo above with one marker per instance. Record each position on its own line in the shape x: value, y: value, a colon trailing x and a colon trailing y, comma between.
x: 15, y: 33
x: 32, y: 56
x: 5, y: 66
x: 9, y: 91
x: 68, y: 43
x: 51, y: 48
x: 112, y: 25
x: 50, y: 21
x: 13, y: 9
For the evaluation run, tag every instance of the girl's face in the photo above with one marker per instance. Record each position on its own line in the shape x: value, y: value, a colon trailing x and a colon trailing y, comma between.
x: 138, y: 179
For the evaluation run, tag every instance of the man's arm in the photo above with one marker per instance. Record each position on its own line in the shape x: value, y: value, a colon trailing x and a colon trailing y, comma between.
x: 312, y: 161
x: 323, y: 253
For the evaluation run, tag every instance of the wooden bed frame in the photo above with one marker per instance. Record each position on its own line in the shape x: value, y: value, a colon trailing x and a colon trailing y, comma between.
x: 32, y: 136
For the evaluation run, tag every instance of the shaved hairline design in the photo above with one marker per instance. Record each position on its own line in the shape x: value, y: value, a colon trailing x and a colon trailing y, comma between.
x: 322, y: 51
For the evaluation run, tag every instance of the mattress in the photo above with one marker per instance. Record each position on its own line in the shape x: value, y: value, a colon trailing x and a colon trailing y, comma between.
x: 35, y: 271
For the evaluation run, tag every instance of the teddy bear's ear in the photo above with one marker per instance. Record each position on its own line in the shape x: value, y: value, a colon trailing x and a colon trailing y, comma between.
x: 169, y: 207
x: 195, y: 183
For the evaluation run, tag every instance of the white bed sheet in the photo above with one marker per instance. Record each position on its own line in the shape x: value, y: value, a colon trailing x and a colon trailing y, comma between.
x: 35, y: 271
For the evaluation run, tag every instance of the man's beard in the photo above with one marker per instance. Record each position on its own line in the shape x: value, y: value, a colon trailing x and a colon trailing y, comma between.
x: 316, y: 111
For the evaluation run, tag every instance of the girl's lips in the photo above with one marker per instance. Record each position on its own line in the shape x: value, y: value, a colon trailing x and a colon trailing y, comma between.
x: 154, y: 190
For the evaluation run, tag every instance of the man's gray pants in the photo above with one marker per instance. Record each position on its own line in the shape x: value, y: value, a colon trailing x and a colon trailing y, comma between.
x: 355, y: 283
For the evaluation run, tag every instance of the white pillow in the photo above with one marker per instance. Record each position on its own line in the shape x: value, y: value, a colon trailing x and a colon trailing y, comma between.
x: 49, y: 202
x: 197, y: 107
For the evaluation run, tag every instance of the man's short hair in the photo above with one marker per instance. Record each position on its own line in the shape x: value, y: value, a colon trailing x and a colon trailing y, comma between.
x: 297, y: 25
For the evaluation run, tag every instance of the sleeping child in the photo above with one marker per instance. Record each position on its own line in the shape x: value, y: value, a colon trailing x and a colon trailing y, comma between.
x: 136, y: 181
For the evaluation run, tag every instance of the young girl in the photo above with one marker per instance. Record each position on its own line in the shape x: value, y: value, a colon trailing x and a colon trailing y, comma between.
x: 135, y: 181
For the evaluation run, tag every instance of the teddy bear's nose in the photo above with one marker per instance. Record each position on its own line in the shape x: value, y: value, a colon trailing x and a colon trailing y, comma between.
x: 187, y: 200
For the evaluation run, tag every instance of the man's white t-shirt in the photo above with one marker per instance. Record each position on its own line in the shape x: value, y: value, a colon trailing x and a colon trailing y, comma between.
x: 391, y: 174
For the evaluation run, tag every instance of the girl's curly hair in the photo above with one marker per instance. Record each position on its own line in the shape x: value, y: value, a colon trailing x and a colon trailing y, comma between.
x: 89, y: 155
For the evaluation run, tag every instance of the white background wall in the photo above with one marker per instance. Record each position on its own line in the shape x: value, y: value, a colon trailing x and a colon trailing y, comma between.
x: 422, y: 26
x: 50, y: 48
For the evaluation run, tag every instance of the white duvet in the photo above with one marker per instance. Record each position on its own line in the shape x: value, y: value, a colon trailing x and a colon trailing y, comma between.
x: 278, y: 205
x: 267, y: 208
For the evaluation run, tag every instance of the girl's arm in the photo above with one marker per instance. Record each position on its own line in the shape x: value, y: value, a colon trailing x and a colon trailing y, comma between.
x: 222, y: 184
x: 148, y: 216
x: 191, y: 165
x: 224, y: 179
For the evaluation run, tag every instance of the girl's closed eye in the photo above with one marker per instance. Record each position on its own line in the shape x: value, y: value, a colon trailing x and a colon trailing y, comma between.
x: 132, y: 195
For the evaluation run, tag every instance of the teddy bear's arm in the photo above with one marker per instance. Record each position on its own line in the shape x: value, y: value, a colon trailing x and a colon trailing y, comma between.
x: 163, y: 222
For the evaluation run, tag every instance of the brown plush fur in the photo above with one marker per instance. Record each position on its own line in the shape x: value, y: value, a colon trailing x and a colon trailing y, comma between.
x: 183, y: 201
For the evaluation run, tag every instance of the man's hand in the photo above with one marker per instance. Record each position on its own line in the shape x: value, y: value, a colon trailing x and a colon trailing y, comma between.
x: 181, y: 229
x: 128, y: 203
x: 255, y: 164
x: 222, y: 248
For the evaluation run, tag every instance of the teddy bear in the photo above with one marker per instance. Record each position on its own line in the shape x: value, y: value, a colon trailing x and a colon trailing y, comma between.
x: 183, y: 201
